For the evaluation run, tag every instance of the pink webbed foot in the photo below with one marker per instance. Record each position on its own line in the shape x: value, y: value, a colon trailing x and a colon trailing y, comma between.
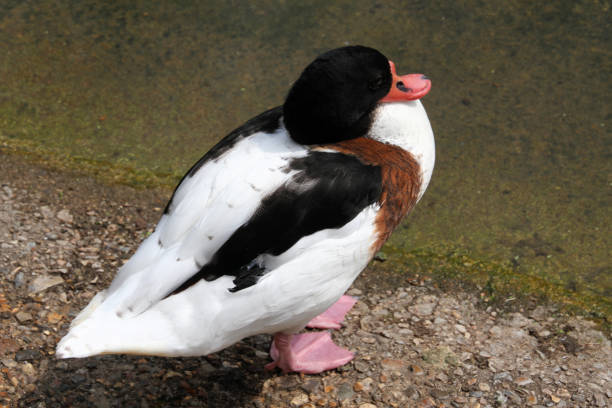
x: 332, y: 317
x: 308, y: 353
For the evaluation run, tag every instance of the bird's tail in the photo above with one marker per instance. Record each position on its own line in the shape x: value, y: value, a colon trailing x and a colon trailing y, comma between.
x: 96, y: 331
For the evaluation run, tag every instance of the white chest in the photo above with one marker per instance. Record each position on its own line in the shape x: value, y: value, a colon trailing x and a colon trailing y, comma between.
x: 405, y: 124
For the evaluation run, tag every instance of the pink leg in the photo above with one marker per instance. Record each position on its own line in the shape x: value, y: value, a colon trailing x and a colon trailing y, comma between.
x: 332, y: 317
x: 308, y: 353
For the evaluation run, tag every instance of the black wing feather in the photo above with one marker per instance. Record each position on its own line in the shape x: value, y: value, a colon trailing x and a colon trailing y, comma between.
x: 328, y: 191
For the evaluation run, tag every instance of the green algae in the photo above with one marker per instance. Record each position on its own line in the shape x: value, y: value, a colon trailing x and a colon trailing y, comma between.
x: 497, y: 282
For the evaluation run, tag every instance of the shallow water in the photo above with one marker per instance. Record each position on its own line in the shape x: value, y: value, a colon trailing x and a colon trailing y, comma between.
x: 520, y: 105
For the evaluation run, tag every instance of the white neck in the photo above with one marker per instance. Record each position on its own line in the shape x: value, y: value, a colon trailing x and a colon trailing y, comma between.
x: 405, y: 124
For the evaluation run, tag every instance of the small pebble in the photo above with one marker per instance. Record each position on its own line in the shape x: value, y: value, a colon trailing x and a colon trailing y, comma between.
x: 345, y: 391
x: 423, y: 309
x: 19, y: 280
x: 484, y: 387
x: 600, y: 400
x: 416, y: 370
x: 27, y: 355
x: 390, y: 364
x: 23, y: 317
x: 513, y: 396
x: 522, y: 381
x: 42, y: 282
x: 299, y: 400
x: 503, y: 376
x: 64, y: 215
x: 563, y: 393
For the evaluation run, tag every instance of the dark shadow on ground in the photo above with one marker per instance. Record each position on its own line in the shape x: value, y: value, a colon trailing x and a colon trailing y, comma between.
x: 231, y: 378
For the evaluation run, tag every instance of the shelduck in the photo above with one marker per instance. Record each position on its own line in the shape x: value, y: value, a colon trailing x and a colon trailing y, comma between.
x: 268, y: 229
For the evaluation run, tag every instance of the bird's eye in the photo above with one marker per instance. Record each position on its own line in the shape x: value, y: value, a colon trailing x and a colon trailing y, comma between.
x: 376, y: 83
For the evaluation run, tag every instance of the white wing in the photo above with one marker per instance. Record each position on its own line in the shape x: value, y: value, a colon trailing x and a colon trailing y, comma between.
x: 206, y: 209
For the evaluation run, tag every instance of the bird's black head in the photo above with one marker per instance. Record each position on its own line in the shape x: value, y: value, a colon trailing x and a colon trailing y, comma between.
x: 335, y: 96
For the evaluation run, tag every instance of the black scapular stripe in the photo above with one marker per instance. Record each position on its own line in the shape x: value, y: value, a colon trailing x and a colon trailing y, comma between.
x: 268, y: 121
x: 328, y: 191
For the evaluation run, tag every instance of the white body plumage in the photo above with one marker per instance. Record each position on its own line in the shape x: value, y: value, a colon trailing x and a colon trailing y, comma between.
x: 134, y: 315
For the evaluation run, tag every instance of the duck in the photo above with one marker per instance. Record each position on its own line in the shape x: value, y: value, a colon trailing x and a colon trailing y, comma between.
x: 269, y: 229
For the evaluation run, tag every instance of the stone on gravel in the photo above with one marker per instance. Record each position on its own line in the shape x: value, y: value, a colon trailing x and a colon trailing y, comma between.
x: 64, y: 215
x: 416, y: 370
x: 27, y: 355
x: 345, y: 391
x: 23, y: 317
x: 299, y: 400
x: 484, y: 387
x: 503, y: 376
x: 423, y: 309
x: 46, y: 211
x: 43, y: 282
x: 390, y: 364
x: 19, y: 280
x: 522, y: 381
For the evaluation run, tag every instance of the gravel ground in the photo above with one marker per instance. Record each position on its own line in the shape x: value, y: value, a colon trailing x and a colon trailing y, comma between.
x: 62, y: 236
